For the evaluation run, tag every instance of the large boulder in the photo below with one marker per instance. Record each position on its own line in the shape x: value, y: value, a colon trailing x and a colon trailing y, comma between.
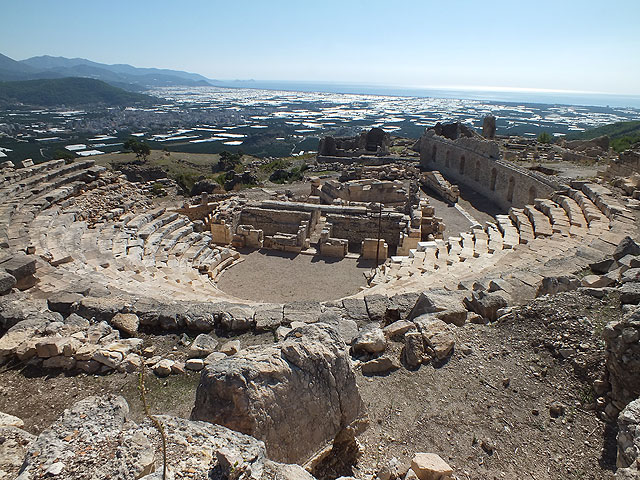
x: 97, y: 439
x: 296, y: 396
x: 626, y: 247
x: 488, y: 304
x: 447, y: 306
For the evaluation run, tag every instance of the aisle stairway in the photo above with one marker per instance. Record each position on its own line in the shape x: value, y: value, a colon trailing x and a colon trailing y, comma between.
x: 550, y: 237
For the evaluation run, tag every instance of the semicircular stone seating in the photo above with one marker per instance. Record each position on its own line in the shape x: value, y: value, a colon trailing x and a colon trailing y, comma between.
x: 156, y: 253
x: 551, y: 237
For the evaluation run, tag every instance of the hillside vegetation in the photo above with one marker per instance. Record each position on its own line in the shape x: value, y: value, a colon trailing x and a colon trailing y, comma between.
x: 68, y: 92
x: 623, y: 135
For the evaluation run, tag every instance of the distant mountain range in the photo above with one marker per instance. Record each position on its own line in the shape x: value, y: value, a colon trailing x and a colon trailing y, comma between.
x: 119, y: 75
x: 68, y: 92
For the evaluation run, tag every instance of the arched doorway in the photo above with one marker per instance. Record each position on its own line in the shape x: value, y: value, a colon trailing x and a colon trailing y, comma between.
x: 532, y: 195
x: 462, y: 161
x: 447, y: 162
x: 477, y: 172
x: 434, y: 150
x: 512, y: 187
x: 494, y: 177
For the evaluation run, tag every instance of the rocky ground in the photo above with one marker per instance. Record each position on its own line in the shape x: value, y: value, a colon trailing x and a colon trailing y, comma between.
x: 507, y: 404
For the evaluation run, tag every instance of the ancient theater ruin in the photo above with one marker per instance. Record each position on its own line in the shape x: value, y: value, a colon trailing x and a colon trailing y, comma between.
x: 465, y: 241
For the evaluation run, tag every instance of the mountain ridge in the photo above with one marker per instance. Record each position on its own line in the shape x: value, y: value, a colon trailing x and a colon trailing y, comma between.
x: 120, y: 75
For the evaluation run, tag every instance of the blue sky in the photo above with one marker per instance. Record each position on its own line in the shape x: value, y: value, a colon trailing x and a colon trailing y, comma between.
x: 584, y: 45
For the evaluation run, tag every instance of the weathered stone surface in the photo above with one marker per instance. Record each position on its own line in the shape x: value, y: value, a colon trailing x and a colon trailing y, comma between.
x: 131, y: 363
x: 7, y: 281
x: 231, y: 347
x: 553, y: 285
x: 112, y: 446
x: 380, y: 365
x: 596, y: 281
x: 370, y: 340
x: 448, y: 306
x: 631, y: 275
x: 268, y: 318
x: 194, y: 364
x: 429, y: 466
x: 628, y: 438
x: 63, y: 302
x: 19, y: 266
x: 377, y: 307
x: 51, y: 346
x: 126, y: 322
x: 413, y: 349
x: 237, y: 319
x: 489, y: 126
x: 622, y: 357
x: 13, y: 448
x: 306, y: 312
x: 603, y: 266
x: 398, y: 329
x: 65, y: 363
x: 296, y: 395
x: 438, y: 338
x: 7, y: 420
x: 202, y: 346
x: 488, y: 304
x: 626, y: 247
x: 163, y: 367
x: 630, y: 293
x: 356, y: 309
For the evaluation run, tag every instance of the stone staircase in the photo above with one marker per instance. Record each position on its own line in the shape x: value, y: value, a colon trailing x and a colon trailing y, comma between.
x: 550, y: 237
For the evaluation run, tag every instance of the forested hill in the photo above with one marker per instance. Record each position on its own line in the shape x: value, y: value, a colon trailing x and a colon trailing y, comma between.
x: 623, y: 135
x: 69, y: 92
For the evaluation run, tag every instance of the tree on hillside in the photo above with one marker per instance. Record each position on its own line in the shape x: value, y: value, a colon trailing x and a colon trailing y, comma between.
x: 229, y: 161
x: 544, y: 137
x: 141, y: 149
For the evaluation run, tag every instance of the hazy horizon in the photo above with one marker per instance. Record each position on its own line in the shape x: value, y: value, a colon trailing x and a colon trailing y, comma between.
x: 584, y: 47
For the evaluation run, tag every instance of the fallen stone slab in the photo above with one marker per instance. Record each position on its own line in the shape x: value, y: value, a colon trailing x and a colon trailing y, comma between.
x: 429, y: 466
x: 369, y: 340
x: 630, y: 293
x: 380, y: 365
x: 626, y: 247
x: 19, y: 266
x: 63, y: 302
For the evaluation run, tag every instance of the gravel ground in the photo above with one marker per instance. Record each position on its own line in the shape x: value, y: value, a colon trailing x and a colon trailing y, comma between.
x: 268, y: 276
x: 487, y: 411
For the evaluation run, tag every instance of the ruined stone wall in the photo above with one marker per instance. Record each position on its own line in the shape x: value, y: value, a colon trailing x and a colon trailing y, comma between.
x: 625, y: 166
x: 365, y: 191
x: 274, y: 221
x: 357, y: 228
x: 475, y: 162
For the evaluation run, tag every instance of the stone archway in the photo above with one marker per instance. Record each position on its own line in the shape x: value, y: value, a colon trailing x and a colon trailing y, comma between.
x: 477, y: 172
x: 494, y: 177
x: 434, y: 151
x: 532, y: 194
x: 461, y: 166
